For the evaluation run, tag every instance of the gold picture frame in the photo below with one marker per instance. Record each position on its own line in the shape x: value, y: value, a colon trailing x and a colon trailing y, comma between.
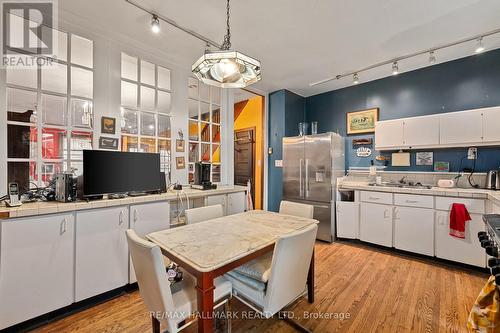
x: 363, y: 121
x: 179, y: 146
x: 180, y: 162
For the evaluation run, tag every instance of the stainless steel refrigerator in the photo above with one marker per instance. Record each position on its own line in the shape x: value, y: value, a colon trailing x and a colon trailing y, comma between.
x: 311, y: 166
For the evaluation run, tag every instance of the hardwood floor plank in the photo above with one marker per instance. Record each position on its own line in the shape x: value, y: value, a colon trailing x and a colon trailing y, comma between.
x: 383, y: 291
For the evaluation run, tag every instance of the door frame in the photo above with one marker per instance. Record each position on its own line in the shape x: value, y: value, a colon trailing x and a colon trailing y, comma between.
x: 254, y: 158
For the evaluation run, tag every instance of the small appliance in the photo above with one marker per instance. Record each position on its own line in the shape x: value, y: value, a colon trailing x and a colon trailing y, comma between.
x: 493, y: 180
x: 202, y: 176
x: 65, y: 187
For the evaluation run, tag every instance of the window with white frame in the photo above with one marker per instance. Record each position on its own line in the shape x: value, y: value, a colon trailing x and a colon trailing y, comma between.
x: 50, y: 114
x: 204, y: 105
x: 145, y: 109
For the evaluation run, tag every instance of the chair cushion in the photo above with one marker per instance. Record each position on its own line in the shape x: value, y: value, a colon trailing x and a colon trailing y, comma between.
x: 258, y: 269
x: 244, y: 289
x: 250, y: 282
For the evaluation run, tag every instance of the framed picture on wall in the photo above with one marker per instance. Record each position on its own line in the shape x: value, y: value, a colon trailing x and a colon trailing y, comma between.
x: 180, y: 163
x: 108, y: 125
x: 363, y: 121
x: 179, y: 146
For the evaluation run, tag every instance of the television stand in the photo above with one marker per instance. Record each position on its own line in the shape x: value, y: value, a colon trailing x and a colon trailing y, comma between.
x: 136, y: 194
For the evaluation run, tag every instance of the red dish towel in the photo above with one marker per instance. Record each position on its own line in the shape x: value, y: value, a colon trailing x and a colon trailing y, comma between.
x: 459, y: 215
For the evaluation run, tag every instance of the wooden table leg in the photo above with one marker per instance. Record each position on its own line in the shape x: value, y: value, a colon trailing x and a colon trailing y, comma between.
x: 310, y: 281
x: 205, y: 290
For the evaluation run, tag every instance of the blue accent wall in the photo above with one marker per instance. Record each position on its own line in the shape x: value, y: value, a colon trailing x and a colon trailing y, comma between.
x: 467, y: 83
x: 286, y: 110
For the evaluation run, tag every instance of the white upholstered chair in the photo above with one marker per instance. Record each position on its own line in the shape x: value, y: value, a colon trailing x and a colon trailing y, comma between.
x: 196, y: 215
x: 296, y: 209
x: 270, y: 289
x: 170, y: 309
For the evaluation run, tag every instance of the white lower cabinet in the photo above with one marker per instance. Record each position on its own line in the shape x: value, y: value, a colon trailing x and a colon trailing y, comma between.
x: 375, y: 223
x: 414, y: 230
x: 347, y: 219
x: 236, y: 203
x: 217, y: 200
x: 468, y: 250
x: 101, y: 251
x: 36, y: 266
x: 147, y: 218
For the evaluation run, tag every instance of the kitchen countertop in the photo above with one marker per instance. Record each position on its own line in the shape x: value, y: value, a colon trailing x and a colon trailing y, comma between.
x: 435, y: 191
x: 214, y: 243
x: 50, y: 207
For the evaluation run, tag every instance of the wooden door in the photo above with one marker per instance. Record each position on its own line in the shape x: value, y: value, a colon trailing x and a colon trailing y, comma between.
x: 244, y: 157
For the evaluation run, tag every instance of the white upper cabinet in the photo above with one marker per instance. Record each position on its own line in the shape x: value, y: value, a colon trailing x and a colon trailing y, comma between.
x: 480, y: 127
x: 458, y: 128
x: 421, y: 131
x: 389, y: 134
x: 491, y: 124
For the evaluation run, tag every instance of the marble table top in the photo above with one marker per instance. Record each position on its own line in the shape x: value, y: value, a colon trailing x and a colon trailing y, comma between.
x: 214, y: 243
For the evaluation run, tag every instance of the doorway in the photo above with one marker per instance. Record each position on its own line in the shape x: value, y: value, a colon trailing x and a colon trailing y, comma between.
x: 249, y: 142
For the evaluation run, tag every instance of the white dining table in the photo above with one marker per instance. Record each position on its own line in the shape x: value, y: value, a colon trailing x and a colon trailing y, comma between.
x: 211, y: 248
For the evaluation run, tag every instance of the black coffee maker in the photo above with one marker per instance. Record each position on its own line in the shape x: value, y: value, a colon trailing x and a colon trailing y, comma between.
x: 202, y: 172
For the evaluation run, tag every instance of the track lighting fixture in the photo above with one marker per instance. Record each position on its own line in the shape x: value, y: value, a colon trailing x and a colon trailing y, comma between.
x: 429, y: 52
x: 155, y: 24
x: 432, y: 58
x: 395, y: 68
x: 480, y: 45
x: 355, y: 78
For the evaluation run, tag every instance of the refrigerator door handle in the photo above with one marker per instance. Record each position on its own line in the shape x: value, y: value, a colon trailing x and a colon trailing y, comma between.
x: 301, y: 189
x: 307, y: 178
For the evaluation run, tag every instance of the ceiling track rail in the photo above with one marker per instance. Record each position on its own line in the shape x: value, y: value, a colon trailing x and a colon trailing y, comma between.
x: 206, y: 40
x: 411, y: 55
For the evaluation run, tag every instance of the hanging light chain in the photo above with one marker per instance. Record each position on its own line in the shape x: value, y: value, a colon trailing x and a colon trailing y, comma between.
x: 226, y: 45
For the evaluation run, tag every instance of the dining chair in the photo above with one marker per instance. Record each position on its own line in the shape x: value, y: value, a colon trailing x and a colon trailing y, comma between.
x: 269, y: 290
x: 200, y: 214
x: 296, y: 209
x: 172, y: 309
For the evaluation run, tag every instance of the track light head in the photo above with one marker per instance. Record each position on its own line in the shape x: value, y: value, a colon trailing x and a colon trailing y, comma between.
x: 432, y: 58
x: 479, y: 45
x: 155, y: 24
x: 355, y: 78
x: 395, y: 68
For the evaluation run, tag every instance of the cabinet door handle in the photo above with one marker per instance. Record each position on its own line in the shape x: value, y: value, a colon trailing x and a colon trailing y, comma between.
x: 135, y: 215
x: 396, y: 217
x: 373, y: 198
x: 386, y: 214
x: 412, y: 201
x: 120, y: 219
x: 64, y: 226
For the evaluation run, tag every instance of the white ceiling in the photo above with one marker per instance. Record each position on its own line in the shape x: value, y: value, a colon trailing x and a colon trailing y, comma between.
x: 299, y: 42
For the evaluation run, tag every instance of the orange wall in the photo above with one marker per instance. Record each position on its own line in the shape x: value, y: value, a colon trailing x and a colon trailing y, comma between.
x: 251, y: 116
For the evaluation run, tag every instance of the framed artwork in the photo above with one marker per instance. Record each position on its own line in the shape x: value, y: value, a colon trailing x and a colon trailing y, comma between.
x: 108, y: 143
x: 363, y: 121
x: 424, y: 158
x: 362, y: 142
x: 179, y: 145
x: 180, y: 163
x: 442, y: 166
x: 108, y: 125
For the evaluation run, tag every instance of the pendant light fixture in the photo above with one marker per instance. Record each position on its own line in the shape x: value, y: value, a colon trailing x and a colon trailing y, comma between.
x: 227, y: 68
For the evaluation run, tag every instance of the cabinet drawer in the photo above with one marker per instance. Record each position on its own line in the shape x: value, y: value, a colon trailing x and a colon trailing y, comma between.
x: 411, y: 200
x: 376, y: 197
x: 474, y: 206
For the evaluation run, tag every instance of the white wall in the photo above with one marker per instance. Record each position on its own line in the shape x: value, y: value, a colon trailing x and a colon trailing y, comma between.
x: 108, y: 46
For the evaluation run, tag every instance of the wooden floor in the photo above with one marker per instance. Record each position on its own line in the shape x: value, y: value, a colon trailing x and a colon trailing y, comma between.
x: 380, y: 291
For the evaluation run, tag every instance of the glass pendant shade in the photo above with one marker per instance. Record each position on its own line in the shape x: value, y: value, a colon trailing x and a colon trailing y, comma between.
x: 227, y: 69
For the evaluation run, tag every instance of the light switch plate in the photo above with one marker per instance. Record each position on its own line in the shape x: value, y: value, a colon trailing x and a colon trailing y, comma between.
x: 278, y: 163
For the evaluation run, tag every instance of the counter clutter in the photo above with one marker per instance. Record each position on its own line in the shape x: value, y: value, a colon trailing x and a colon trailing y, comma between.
x: 51, y: 207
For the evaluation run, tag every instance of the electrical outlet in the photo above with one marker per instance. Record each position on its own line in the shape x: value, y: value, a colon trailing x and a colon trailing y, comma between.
x: 472, y: 153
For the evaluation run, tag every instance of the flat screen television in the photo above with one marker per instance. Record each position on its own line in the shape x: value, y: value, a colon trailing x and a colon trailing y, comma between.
x: 108, y: 172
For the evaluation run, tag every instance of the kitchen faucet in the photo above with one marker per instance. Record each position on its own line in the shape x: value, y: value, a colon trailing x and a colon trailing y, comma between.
x: 402, y: 180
